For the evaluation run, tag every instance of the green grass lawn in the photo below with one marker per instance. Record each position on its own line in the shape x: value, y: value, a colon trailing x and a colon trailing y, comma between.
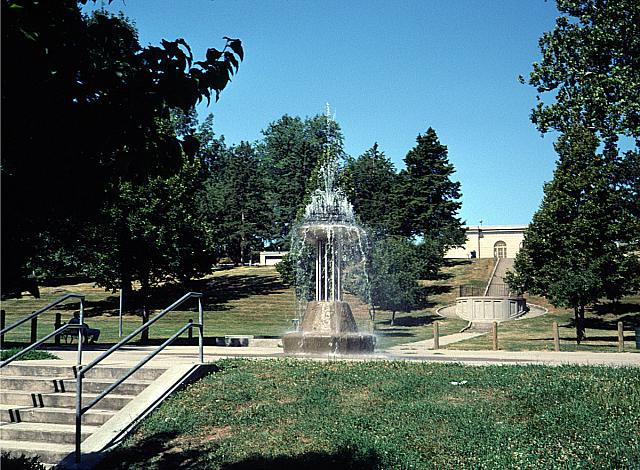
x: 418, y: 324
x: 383, y: 415
x: 254, y: 301
x: 248, y: 300
x: 536, y: 334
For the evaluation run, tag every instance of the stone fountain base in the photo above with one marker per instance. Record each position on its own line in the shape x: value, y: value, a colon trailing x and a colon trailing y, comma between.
x: 328, y: 328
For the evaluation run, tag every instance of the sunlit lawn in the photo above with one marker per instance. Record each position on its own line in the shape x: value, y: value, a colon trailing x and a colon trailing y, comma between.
x: 247, y: 300
x: 290, y: 414
x: 537, y: 333
x: 254, y: 301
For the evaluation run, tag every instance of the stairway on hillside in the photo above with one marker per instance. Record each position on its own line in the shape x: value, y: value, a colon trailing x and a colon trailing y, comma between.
x: 37, y: 405
x: 497, y: 282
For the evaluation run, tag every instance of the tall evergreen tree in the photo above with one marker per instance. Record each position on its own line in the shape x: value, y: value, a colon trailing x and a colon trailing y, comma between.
x: 431, y: 199
x: 578, y: 247
x: 372, y: 185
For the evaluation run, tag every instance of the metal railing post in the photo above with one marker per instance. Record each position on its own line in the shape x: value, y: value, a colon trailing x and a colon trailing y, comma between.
x: 80, y: 332
x: 78, y: 413
x: 200, y: 331
x: 81, y: 371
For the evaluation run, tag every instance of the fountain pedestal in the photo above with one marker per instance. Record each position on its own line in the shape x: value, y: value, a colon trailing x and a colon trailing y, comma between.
x: 328, y: 327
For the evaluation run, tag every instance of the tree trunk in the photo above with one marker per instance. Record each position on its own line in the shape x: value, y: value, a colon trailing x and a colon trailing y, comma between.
x: 393, y: 317
x: 579, y: 320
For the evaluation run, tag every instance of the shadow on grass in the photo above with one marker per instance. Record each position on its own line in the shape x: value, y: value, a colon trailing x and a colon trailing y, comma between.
x: 344, y: 458
x: 630, y: 321
x: 163, y: 451
x: 218, y: 291
x: 410, y: 321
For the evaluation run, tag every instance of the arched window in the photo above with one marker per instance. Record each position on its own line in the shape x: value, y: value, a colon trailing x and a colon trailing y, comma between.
x: 500, y: 249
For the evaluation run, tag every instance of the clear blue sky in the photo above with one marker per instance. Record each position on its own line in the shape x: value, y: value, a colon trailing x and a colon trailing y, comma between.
x: 389, y: 69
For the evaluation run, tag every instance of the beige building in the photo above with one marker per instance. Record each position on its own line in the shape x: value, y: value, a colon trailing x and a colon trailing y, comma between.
x: 497, y: 241
x: 271, y: 258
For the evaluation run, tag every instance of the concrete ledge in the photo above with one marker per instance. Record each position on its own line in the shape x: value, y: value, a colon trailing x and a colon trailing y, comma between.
x: 487, y: 309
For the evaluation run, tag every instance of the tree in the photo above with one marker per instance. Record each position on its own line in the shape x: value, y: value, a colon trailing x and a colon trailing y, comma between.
x: 578, y: 248
x: 102, y: 106
x: 234, y: 206
x: 431, y: 198
x: 394, y: 276
x: 591, y: 68
x: 371, y: 183
x: 152, y: 234
x: 291, y: 152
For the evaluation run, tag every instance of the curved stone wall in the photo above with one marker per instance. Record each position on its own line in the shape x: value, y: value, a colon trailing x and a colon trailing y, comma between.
x: 489, y: 309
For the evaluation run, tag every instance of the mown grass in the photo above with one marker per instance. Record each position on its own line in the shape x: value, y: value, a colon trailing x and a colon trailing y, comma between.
x: 254, y: 301
x: 536, y: 334
x: 248, y: 300
x: 386, y: 415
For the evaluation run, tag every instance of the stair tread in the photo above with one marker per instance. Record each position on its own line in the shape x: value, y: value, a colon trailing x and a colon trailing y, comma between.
x: 52, y: 409
x: 26, y: 426
x: 68, y: 394
x: 84, y: 380
x: 35, y: 446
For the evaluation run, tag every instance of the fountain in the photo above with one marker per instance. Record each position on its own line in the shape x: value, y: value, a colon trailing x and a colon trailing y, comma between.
x: 329, y: 249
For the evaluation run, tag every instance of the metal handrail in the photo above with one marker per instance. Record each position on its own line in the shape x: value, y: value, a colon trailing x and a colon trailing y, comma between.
x: 82, y: 371
x: 58, y: 331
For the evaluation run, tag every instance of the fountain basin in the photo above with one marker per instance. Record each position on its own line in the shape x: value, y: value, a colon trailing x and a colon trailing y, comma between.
x: 300, y: 342
x: 328, y: 327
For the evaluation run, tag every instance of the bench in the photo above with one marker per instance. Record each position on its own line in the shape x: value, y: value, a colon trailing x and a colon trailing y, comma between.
x: 70, y: 334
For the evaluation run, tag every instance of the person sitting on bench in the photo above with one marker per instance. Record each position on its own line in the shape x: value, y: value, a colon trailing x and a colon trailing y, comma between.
x: 91, y: 334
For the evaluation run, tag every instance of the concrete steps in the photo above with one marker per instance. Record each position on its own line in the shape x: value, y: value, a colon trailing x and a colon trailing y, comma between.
x: 48, y: 452
x: 38, y: 400
x: 30, y: 414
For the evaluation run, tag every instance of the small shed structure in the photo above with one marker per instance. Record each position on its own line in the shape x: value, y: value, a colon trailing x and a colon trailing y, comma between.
x: 271, y: 258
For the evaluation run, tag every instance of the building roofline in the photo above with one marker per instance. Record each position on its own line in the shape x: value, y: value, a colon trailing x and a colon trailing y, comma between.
x: 496, y: 227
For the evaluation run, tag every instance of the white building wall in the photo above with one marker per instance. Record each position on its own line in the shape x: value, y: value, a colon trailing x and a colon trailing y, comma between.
x: 271, y: 258
x: 511, y: 235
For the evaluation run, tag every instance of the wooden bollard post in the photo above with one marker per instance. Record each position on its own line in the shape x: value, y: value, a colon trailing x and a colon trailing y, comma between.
x: 34, y: 330
x: 494, y: 334
x: 56, y: 325
x: 436, y: 335
x: 3, y: 320
x: 620, y: 337
x: 556, y: 337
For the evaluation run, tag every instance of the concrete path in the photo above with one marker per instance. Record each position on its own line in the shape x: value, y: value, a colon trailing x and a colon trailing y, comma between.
x: 189, y: 354
x: 427, y: 344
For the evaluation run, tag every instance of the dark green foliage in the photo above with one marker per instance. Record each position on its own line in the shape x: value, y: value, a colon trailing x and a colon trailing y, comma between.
x: 591, y: 68
x: 393, y: 415
x: 371, y: 184
x: 394, y: 275
x: 34, y: 355
x: 85, y: 108
x: 10, y: 462
x: 291, y: 152
x: 234, y: 206
x: 581, y: 245
x: 431, y: 200
x: 152, y: 233
x: 287, y: 270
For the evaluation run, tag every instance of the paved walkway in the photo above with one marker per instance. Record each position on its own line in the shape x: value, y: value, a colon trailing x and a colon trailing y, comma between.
x: 189, y: 354
x: 422, y: 346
